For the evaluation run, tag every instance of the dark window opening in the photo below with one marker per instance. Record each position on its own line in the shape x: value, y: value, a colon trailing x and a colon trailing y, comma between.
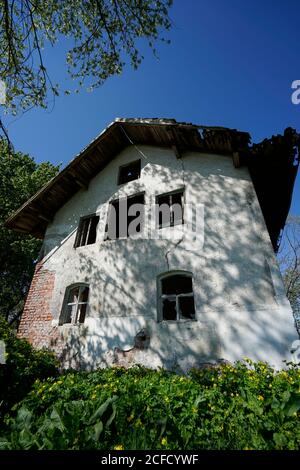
x: 169, y: 309
x: 87, y: 231
x: 125, y: 217
x: 187, y: 307
x: 177, y: 297
x: 177, y: 284
x: 75, y: 305
x: 169, y: 209
x: 129, y: 172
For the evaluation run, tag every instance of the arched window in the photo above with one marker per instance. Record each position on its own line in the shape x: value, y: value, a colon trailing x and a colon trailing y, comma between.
x: 176, y: 297
x: 75, y: 304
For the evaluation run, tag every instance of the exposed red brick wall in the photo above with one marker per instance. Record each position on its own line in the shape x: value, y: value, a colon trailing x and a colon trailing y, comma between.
x: 36, y: 319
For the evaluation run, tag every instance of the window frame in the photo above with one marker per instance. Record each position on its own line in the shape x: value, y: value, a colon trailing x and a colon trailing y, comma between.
x: 171, y: 223
x: 121, y: 167
x: 80, y: 229
x: 161, y: 297
x: 66, y: 304
x: 108, y: 215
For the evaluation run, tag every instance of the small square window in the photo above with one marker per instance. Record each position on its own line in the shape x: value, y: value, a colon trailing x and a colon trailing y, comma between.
x: 75, y: 305
x: 125, y: 217
x: 169, y: 309
x: 186, y: 307
x: 129, y: 172
x: 177, y: 297
x: 87, y: 231
x: 169, y: 209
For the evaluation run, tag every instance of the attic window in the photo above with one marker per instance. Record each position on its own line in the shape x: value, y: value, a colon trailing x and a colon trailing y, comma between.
x: 75, y: 304
x: 87, y: 231
x: 170, y: 209
x: 129, y: 172
x: 177, y: 297
x: 125, y: 217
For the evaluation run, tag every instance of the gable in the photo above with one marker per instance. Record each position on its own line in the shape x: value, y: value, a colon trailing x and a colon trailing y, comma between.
x: 273, y: 165
x: 39, y: 210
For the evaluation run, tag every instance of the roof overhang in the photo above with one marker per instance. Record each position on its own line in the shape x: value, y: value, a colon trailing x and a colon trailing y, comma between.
x: 34, y: 216
x: 272, y: 164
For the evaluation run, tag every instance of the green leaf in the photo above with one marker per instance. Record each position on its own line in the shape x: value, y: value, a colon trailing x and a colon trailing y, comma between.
x: 23, y: 420
x: 102, y: 408
x: 56, y: 420
x: 293, y: 405
x: 112, y: 416
x: 25, y: 439
x: 199, y: 399
x: 163, y: 423
x: 98, y: 427
x: 279, y: 439
x: 286, y: 396
x: 4, y: 444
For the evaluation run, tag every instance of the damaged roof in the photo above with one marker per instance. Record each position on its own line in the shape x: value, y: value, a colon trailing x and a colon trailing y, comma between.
x: 272, y: 164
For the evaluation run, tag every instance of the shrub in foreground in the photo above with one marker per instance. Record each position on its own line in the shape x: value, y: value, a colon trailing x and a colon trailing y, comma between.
x: 23, y: 366
x: 245, y: 406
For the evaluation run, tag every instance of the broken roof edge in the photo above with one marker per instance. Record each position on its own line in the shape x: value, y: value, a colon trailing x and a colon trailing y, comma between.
x: 119, y: 120
x: 161, y: 122
x: 273, y: 164
x: 53, y: 180
x: 138, y: 121
x: 170, y: 121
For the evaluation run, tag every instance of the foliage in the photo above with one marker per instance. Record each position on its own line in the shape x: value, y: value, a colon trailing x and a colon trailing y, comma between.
x: 100, y: 34
x: 23, y: 366
x: 246, y: 406
x: 289, y: 260
x: 20, y: 178
x: 63, y: 426
x: 291, y: 279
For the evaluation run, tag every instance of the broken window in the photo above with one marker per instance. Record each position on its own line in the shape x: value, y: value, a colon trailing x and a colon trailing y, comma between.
x: 169, y: 209
x: 177, y: 297
x: 75, y: 304
x: 129, y: 172
x: 125, y: 217
x: 87, y: 231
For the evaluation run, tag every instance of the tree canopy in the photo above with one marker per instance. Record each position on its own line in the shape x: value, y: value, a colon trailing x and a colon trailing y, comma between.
x: 20, y: 178
x: 101, y: 35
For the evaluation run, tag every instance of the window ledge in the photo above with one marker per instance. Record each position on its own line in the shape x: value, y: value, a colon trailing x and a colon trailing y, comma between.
x: 176, y: 322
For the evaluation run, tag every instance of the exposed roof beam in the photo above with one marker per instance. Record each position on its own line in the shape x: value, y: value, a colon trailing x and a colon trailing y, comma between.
x: 34, y: 215
x: 236, y: 159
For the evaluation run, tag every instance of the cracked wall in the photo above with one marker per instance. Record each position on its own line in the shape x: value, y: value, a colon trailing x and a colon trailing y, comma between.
x: 241, y: 308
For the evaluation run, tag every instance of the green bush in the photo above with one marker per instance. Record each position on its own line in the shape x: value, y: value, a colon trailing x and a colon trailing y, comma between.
x: 23, y: 366
x: 246, y: 406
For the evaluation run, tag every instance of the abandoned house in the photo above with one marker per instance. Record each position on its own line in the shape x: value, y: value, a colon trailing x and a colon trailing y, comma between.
x: 159, y: 248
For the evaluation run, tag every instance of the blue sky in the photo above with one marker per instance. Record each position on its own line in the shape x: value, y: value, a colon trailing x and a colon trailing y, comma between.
x: 230, y: 63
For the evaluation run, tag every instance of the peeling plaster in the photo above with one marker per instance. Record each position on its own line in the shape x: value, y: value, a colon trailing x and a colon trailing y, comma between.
x: 237, y: 314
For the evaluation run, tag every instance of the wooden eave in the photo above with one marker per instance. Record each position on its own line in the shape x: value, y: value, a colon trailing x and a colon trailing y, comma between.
x: 35, y: 214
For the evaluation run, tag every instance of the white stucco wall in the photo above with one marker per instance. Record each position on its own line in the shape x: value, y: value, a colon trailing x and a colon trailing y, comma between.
x: 241, y: 308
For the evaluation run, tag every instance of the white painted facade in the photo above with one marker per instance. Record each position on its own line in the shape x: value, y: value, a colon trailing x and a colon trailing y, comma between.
x: 241, y: 307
